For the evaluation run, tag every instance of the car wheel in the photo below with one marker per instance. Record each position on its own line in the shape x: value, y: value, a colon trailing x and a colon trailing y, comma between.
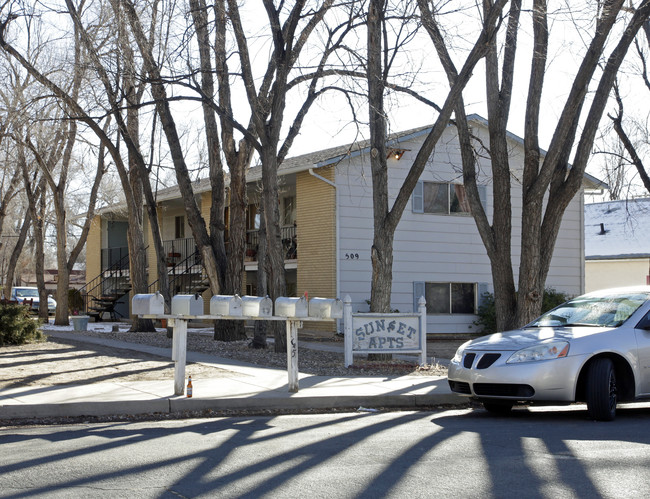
x: 498, y: 407
x: 601, y: 390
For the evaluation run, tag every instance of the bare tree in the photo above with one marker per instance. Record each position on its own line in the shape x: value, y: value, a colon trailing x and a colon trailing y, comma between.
x: 75, y: 109
x: 290, y: 30
x: 262, y: 135
x: 387, y: 217
x: 631, y: 146
x: 548, y: 183
x: 10, y: 172
x: 237, y: 158
x: 56, y: 154
x: 124, y: 95
x: 35, y: 190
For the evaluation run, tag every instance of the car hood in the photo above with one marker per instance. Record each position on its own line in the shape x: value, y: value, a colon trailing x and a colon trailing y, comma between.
x: 522, y: 338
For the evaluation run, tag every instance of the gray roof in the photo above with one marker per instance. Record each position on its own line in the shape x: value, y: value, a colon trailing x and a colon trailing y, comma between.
x: 332, y: 155
x: 617, y: 229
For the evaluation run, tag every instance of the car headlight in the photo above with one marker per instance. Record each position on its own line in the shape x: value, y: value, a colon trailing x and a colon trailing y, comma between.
x: 459, y: 353
x: 543, y: 351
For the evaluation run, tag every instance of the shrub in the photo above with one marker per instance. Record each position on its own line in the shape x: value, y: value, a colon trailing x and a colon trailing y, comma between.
x: 17, y: 327
x: 487, y: 314
x: 75, y: 301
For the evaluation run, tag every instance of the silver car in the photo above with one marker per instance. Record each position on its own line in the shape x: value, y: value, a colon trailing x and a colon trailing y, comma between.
x: 593, y: 349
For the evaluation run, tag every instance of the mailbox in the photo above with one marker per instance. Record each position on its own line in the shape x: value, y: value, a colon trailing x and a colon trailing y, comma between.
x: 326, y: 308
x: 187, y: 305
x: 226, y: 305
x: 256, y: 306
x: 291, y: 307
x: 148, y: 304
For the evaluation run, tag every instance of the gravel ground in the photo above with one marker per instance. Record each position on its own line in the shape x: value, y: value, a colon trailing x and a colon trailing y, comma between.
x: 310, y: 361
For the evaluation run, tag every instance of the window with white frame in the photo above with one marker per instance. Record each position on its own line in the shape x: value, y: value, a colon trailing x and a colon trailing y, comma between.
x: 443, y: 198
x: 448, y: 297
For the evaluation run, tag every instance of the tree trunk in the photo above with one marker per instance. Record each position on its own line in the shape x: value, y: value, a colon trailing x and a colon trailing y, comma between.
x: 39, y: 257
x: 235, y: 330
x: 275, y: 257
x: 261, y: 327
x: 15, y: 253
x: 382, y: 245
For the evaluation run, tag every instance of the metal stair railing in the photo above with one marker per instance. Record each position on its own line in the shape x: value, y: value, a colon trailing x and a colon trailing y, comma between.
x: 183, y: 276
x: 96, y: 288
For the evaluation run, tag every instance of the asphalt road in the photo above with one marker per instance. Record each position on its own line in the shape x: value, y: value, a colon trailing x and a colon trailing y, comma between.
x: 468, y: 453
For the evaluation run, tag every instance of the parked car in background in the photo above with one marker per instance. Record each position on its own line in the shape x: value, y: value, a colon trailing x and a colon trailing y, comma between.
x: 594, y: 348
x: 23, y: 293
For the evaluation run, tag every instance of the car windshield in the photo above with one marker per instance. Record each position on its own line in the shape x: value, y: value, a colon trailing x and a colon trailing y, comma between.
x: 602, y: 311
x: 26, y: 293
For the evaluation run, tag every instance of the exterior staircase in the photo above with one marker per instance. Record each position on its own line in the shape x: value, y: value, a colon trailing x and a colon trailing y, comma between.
x: 186, y: 277
x: 104, y: 291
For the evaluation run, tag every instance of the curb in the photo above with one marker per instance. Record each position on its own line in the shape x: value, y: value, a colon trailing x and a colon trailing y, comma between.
x: 261, y: 402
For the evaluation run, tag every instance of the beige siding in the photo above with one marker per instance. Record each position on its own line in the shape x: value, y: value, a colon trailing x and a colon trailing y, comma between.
x: 600, y: 274
x: 94, y: 249
x: 316, y: 231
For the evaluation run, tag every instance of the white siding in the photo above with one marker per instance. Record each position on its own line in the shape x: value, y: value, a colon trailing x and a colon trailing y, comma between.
x: 435, y: 248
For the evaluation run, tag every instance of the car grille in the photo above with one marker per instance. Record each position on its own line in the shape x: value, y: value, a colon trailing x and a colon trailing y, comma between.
x: 503, y: 390
x: 485, y: 360
x: 469, y: 360
x: 460, y: 387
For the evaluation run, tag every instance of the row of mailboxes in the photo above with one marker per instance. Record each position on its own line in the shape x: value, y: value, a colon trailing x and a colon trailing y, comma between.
x: 236, y: 306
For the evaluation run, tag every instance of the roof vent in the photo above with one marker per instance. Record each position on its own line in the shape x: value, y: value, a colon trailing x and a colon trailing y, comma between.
x: 602, y: 230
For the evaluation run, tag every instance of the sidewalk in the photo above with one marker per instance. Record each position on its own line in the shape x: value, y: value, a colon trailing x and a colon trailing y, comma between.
x: 251, y: 387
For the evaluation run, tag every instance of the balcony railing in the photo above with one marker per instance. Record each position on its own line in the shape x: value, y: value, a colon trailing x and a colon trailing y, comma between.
x: 289, y: 243
x: 179, y: 250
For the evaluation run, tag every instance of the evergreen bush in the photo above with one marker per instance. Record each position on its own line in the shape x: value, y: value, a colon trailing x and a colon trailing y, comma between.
x: 17, y: 326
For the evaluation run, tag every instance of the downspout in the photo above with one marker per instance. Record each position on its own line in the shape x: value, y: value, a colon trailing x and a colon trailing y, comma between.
x: 336, y: 258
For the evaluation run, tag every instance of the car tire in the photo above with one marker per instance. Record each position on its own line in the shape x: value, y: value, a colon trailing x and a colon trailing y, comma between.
x: 498, y: 407
x: 601, y: 390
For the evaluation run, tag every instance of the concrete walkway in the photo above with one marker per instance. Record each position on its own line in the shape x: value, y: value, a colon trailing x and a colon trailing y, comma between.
x: 250, y: 388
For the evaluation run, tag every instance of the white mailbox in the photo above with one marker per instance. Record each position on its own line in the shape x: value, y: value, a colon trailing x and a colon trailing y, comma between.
x: 226, y: 305
x: 326, y: 308
x: 291, y: 307
x: 256, y: 306
x: 148, y: 304
x: 187, y: 305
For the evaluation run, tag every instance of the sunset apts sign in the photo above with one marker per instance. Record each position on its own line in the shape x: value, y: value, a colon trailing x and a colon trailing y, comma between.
x: 384, y: 333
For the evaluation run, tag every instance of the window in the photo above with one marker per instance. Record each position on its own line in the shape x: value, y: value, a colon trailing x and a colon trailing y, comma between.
x: 443, y: 198
x: 447, y: 297
x: 179, y: 227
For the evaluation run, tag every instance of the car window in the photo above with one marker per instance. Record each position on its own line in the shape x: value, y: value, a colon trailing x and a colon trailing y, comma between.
x: 27, y: 293
x: 606, y: 311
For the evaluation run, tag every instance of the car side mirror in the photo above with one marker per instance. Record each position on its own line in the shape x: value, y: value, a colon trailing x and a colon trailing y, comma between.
x: 644, y: 323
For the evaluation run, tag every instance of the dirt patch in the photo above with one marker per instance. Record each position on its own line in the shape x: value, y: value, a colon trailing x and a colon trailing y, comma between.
x: 68, y: 362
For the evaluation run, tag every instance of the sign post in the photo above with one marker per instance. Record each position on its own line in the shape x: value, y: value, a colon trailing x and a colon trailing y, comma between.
x: 292, y: 354
x: 179, y: 354
x: 384, y: 333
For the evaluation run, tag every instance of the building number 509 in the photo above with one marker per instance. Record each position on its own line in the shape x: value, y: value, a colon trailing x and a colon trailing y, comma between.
x: 352, y: 256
